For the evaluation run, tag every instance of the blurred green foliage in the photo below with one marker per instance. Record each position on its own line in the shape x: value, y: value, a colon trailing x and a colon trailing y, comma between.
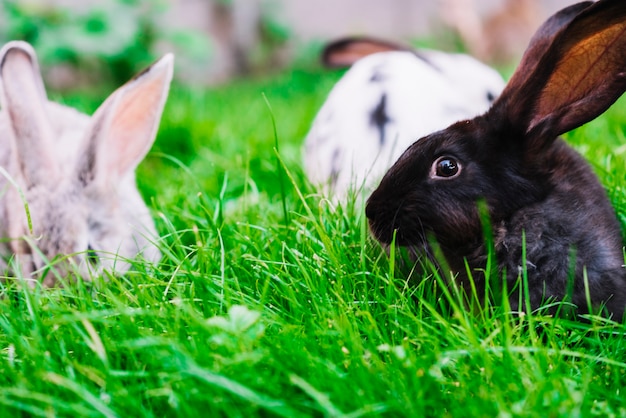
x: 108, y: 41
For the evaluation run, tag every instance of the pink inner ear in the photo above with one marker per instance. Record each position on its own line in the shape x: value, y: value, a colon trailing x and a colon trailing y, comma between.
x: 131, y: 130
x: 134, y: 122
x: 124, y: 126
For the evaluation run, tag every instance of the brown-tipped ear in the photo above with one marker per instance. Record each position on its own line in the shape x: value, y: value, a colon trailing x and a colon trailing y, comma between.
x: 125, y: 125
x: 590, y: 72
x: 23, y: 98
x: 578, y: 76
x: 541, y: 41
x: 345, y: 52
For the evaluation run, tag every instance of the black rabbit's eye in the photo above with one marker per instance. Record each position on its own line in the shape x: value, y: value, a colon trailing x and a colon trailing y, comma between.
x: 445, y: 167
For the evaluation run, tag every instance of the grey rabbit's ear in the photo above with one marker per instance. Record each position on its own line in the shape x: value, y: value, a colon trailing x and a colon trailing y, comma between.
x: 346, y: 51
x: 23, y: 98
x: 572, y: 73
x: 124, y: 127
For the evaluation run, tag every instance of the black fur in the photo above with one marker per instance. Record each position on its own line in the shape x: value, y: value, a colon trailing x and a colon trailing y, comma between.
x: 377, y: 75
x: 379, y: 118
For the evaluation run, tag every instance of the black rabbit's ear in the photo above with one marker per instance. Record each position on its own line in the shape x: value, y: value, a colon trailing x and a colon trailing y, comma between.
x: 542, y: 39
x: 345, y: 52
x: 577, y: 76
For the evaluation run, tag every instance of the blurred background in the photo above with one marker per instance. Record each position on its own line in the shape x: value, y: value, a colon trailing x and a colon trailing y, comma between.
x: 81, y: 42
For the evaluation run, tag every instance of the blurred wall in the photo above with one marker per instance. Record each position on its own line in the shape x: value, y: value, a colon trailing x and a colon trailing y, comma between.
x: 321, y: 20
x: 492, y: 30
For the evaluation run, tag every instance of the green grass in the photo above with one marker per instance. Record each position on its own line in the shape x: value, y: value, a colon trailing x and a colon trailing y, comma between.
x: 254, y: 312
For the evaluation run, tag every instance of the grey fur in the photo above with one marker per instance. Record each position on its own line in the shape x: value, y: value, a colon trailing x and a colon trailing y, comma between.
x: 75, y: 172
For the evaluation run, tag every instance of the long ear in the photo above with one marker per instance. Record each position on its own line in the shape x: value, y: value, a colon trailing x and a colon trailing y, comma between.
x: 346, y: 51
x: 124, y: 127
x: 23, y: 98
x: 542, y: 39
x: 578, y: 76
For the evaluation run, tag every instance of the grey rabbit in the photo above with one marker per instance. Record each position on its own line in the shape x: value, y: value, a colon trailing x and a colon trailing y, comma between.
x: 541, y: 196
x: 75, y: 173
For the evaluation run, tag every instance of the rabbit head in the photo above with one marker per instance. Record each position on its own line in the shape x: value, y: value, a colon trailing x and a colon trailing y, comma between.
x: 69, y: 179
x: 390, y: 96
x: 543, y: 200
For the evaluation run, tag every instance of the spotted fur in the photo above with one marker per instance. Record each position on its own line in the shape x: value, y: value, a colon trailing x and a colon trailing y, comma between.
x: 391, y: 96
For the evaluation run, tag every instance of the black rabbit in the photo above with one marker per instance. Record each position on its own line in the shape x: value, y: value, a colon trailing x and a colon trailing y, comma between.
x: 541, y: 196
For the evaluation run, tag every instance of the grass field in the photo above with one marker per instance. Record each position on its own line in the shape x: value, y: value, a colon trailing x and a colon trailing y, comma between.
x: 269, y: 303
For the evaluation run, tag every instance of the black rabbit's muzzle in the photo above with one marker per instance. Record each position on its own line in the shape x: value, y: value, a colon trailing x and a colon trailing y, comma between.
x: 393, y: 222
